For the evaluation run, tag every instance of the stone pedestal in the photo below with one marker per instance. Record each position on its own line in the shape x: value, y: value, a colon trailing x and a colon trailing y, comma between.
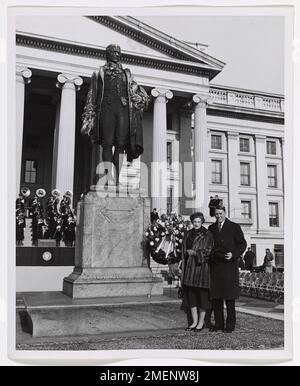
x: 109, y: 257
x: 55, y: 314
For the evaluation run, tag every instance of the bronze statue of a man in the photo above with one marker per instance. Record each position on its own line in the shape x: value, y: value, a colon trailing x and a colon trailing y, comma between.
x: 113, y: 113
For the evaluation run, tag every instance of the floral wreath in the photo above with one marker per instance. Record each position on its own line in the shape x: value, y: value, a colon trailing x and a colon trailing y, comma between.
x: 169, y: 229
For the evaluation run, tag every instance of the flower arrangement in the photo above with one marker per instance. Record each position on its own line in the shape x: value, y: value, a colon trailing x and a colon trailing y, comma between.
x: 164, y: 239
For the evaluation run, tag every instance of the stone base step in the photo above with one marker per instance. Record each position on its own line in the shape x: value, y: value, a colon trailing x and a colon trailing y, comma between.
x: 55, y: 314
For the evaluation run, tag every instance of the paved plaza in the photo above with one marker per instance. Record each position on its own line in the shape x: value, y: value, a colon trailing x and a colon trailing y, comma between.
x: 259, y: 326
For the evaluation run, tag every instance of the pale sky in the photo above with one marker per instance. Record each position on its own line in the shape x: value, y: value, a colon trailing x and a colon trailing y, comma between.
x: 251, y: 46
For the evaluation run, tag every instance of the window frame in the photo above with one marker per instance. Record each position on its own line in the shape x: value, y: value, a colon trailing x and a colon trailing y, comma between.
x: 272, y: 141
x: 248, y: 175
x: 272, y: 216
x: 30, y: 171
x: 248, y: 147
x: 169, y: 153
x: 211, y: 141
x: 249, y: 204
x: 214, y: 173
x: 274, y: 178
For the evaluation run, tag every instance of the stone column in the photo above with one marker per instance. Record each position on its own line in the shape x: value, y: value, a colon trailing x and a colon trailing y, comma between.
x: 66, y: 136
x: 261, y: 184
x: 200, y: 153
x: 23, y: 76
x: 55, y: 146
x: 234, y: 202
x: 185, y: 159
x: 176, y: 173
x: 159, y: 161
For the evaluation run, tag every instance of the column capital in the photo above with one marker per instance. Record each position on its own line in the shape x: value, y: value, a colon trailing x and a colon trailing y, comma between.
x: 260, y: 137
x: 161, y: 94
x: 201, y: 100
x: 232, y: 134
x: 69, y: 81
x: 23, y: 74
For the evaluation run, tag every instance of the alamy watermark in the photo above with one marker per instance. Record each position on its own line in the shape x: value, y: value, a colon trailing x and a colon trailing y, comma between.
x: 186, y: 179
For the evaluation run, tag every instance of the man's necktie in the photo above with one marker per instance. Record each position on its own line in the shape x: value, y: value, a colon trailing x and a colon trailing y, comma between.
x: 219, y: 226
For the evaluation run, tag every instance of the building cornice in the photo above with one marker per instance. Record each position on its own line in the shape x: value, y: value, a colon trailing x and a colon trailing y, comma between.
x: 98, y: 53
x: 244, y: 113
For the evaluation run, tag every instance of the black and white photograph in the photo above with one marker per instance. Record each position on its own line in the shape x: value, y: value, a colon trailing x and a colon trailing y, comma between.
x: 151, y: 181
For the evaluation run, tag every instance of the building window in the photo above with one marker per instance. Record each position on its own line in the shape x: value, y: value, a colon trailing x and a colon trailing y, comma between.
x: 170, y: 201
x: 271, y: 147
x: 30, y: 171
x: 272, y: 176
x: 216, y: 142
x: 279, y: 255
x: 246, y: 209
x: 245, y: 145
x: 169, y: 122
x: 273, y: 214
x: 169, y: 153
x: 216, y: 176
x: 245, y: 174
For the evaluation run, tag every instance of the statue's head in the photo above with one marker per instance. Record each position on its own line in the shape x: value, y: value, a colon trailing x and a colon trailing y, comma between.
x: 113, y: 53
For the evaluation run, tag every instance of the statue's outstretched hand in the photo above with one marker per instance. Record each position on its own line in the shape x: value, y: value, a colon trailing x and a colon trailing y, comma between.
x: 84, y: 128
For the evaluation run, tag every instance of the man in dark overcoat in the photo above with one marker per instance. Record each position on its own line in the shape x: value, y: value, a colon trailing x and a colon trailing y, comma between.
x: 113, y: 112
x: 229, y: 245
x: 249, y: 259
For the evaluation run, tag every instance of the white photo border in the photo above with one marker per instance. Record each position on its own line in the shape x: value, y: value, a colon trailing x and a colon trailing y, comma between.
x: 193, y: 356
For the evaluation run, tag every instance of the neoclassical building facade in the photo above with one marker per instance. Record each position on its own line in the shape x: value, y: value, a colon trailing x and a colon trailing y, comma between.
x: 209, y: 139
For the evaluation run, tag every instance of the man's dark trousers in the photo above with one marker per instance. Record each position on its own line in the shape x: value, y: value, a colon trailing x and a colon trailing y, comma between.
x: 218, y: 307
